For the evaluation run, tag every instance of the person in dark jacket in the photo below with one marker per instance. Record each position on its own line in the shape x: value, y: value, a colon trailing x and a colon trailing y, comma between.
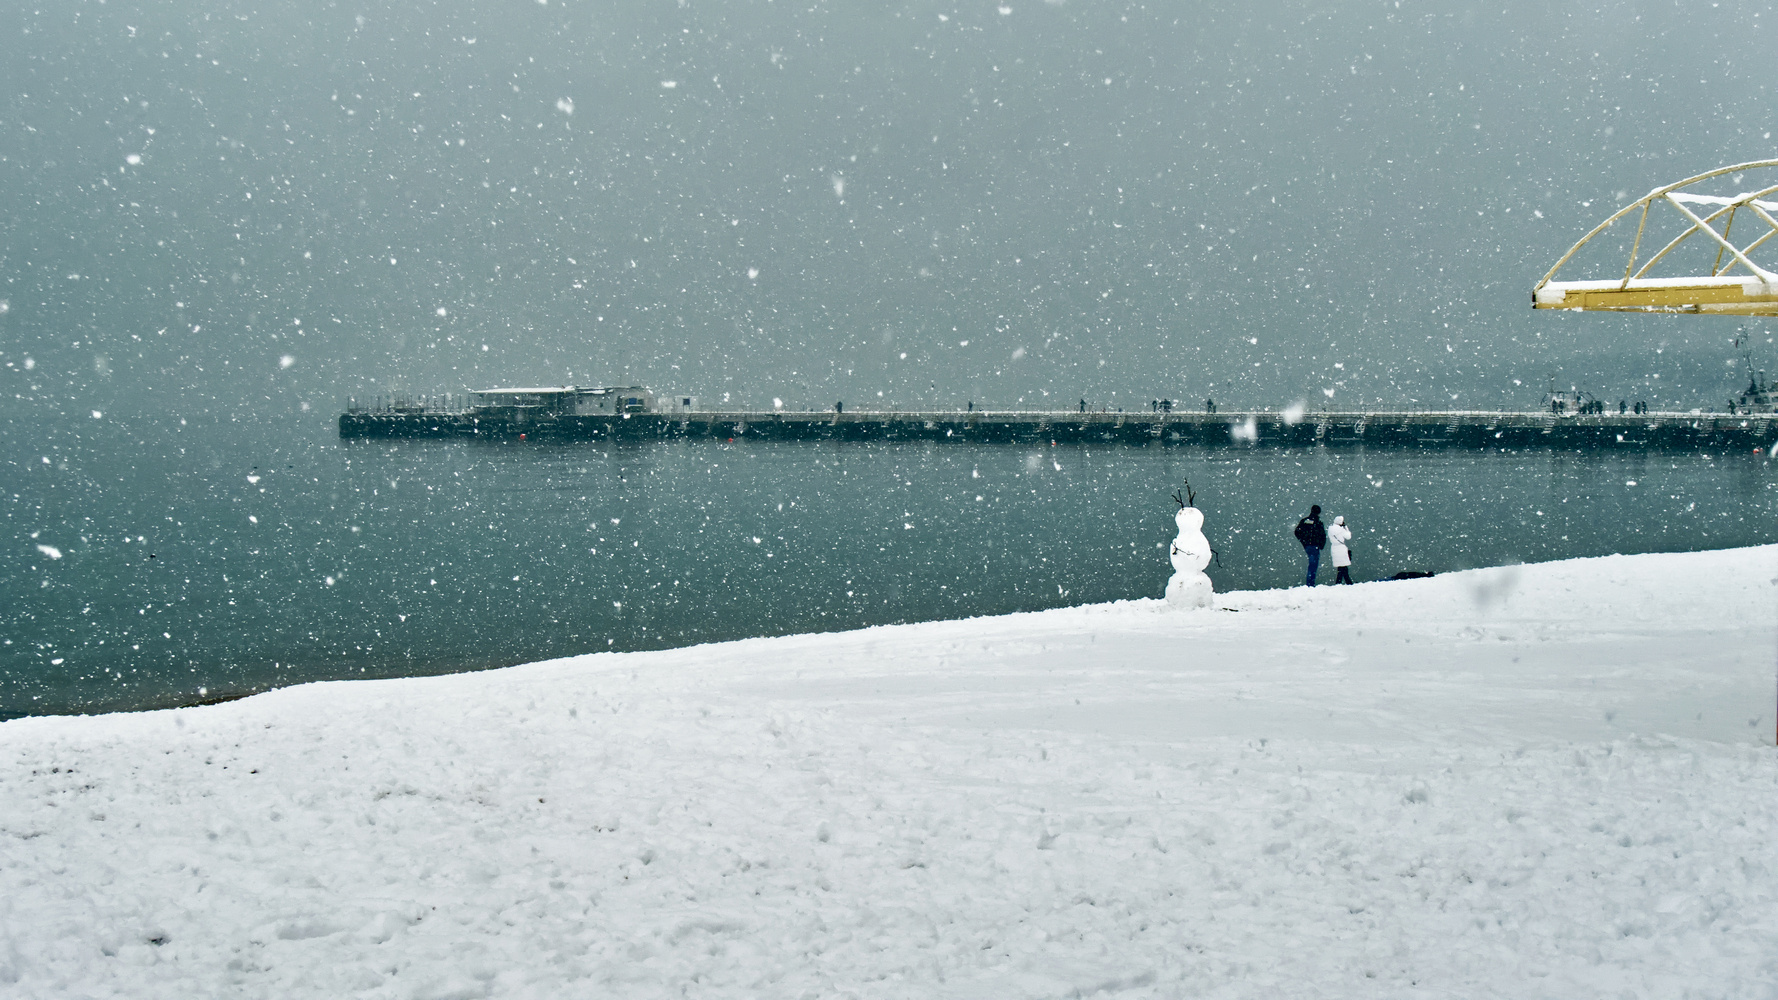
x: 1313, y: 535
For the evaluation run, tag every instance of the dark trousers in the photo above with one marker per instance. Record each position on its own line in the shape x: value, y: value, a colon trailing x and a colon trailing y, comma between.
x: 1344, y: 575
x: 1314, y: 554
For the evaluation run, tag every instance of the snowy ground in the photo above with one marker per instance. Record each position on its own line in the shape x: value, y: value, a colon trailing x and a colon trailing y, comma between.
x: 1543, y: 781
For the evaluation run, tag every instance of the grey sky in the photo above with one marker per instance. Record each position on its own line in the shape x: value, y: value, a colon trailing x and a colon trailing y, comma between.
x: 1258, y: 201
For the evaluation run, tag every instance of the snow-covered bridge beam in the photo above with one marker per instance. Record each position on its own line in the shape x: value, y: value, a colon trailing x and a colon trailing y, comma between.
x: 1726, y: 296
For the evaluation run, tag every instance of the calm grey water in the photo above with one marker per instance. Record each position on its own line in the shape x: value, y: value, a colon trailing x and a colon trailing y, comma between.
x: 192, y: 568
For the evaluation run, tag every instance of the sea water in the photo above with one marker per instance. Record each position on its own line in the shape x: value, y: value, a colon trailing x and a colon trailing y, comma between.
x: 192, y: 570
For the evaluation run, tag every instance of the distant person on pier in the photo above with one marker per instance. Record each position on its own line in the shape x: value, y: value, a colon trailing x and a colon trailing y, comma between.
x: 1337, y: 536
x: 1083, y: 406
x: 839, y: 407
x: 1209, y: 406
x: 1313, y: 535
x: 1621, y: 407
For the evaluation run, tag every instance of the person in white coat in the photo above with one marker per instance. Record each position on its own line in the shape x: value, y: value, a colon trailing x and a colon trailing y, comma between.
x: 1338, y: 535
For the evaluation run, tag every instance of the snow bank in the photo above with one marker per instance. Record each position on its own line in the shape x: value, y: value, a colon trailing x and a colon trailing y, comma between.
x: 1550, y: 780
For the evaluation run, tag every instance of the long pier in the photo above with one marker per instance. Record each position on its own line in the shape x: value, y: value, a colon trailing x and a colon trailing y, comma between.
x: 1454, y: 429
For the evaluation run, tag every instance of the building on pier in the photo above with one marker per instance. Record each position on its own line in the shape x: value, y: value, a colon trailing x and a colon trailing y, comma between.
x: 562, y: 401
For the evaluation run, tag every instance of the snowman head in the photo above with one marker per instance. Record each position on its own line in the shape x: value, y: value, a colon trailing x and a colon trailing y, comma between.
x: 1189, y: 519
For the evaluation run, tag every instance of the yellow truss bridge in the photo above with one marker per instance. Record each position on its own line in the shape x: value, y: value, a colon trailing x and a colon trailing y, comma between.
x: 1733, y: 284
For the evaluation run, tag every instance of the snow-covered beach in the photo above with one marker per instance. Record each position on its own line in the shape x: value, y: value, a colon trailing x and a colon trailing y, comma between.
x: 1552, y: 780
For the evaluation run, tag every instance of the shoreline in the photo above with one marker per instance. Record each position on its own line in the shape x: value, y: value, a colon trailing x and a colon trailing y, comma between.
x: 174, y: 702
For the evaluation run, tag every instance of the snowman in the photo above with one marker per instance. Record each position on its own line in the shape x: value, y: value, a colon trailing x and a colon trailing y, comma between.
x: 1190, y: 553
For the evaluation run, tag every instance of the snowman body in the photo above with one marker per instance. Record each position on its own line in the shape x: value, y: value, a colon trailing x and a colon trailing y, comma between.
x: 1190, y: 553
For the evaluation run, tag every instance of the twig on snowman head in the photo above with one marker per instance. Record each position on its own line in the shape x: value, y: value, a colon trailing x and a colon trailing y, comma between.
x: 1189, y: 500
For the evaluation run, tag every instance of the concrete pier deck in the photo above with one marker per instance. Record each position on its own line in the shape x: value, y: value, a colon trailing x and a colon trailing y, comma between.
x: 1456, y: 429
